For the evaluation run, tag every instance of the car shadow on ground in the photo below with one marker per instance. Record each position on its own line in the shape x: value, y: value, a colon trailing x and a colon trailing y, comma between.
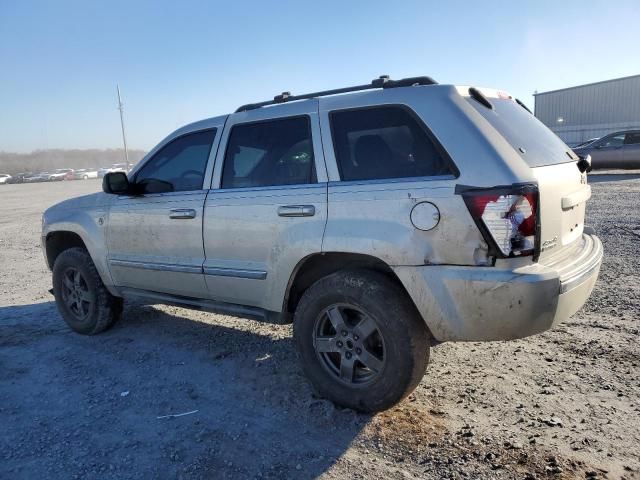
x: 612, y: 177
x: 89, y: 405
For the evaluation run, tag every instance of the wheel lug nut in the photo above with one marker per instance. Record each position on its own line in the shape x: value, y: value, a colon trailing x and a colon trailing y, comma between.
x: 356, y: 337
x: 348, y: 355
x: 339, y: 343
x: 358, y: 351
x: 344, y: 333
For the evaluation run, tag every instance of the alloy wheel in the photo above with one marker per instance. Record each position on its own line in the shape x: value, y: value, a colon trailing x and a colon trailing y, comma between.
x: 76, y: 294
x: 349, y: 344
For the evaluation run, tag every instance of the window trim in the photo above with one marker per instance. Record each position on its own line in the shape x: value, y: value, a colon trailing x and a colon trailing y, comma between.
x: 455, y: 172
x: 134, y: 179
x: 305, y: 116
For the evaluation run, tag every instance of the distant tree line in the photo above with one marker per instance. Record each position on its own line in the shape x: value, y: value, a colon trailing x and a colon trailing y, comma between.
x: 47, y: 160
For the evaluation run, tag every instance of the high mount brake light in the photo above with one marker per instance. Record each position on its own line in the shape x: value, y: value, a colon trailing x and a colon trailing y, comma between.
x: 507, y: 217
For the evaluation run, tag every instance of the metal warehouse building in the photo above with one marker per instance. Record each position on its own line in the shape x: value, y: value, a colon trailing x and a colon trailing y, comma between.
x: 577, y: 114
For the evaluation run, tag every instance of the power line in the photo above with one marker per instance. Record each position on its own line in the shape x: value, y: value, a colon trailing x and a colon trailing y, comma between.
x: 124, y: 138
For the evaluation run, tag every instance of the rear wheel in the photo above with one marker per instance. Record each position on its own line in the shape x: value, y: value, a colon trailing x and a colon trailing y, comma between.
x: 362, y: 343
x: 82, y: 299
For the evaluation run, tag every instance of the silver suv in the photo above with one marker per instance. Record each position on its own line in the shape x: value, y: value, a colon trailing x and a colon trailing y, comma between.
x: 380, y: 219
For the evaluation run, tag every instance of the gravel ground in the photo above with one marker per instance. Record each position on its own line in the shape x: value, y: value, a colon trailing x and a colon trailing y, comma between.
x: 563, y: 404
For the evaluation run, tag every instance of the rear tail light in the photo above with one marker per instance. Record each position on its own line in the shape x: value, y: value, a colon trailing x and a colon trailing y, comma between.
x: 508, y: 218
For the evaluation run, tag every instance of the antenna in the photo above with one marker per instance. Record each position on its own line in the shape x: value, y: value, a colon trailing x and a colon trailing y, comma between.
x: 124, y: 138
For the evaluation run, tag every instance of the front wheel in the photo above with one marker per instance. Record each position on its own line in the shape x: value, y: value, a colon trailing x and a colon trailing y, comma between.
x: 82, y: 299
x: 361, y: 340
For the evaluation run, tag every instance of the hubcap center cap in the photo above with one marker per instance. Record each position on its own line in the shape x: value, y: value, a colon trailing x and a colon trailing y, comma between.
x: 349, y: 344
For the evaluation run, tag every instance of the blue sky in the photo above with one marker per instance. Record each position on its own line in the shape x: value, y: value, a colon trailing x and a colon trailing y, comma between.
x: 180, y: 61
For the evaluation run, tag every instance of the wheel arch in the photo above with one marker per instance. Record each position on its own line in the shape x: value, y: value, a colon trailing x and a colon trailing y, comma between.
x: 316, y: 266
x: 58, y: 238
x: 58, y: 241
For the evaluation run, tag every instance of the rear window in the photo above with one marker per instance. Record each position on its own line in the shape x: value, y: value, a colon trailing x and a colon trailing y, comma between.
x: 383, y: 143
x: 536, y: 144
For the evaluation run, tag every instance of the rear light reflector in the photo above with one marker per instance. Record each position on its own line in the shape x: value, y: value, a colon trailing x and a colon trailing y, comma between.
x: 508, y: 218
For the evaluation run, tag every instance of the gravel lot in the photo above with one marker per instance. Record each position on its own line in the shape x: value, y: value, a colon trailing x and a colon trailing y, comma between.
x: 559, y: 405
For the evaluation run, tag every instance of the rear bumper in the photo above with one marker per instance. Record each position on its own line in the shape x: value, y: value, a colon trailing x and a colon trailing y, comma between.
x: 486, y: 303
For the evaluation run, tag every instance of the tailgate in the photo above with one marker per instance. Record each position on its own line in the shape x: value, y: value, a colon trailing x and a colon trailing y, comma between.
x: 563, y: 197
x: 563, y: 189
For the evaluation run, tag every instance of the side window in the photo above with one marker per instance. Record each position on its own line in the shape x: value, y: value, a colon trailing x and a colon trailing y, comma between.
x: 383, y: 142
x: 614, y: 141
x: 275, y: 152
x: 632, y: 138
x: 179, y: 166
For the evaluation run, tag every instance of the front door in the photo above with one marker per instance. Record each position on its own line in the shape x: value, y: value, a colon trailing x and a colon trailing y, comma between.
x: 155, y: 238
x: 608, y: 152
x: 268, y: 206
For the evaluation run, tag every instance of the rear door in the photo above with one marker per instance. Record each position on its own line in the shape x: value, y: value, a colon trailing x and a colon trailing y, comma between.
x: 155, y: 238
x: 267, y: 208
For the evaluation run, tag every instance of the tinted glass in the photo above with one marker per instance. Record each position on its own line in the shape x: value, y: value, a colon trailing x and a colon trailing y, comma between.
x: 615, y: 141
x: 181, y: 163
x: 383, y: 142
x: 632, y: 138
x: 277, y: 152
x: 522, y: 130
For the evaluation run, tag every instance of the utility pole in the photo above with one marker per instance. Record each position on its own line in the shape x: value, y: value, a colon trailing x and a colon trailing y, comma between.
x: 124, y: 138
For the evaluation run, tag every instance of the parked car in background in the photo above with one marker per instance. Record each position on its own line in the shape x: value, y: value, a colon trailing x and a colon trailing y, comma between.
x: 418, y: 214
x: 616, y: 150
x: 116, y: 167
x: 59, y: 174
x: 19, y: 177
x: 37, y: 177
x: 4, y: 178
x: 82, y: 174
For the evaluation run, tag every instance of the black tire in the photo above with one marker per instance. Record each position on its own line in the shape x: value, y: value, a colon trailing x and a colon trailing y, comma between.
x: 83, y: 301
x: 400, y: 344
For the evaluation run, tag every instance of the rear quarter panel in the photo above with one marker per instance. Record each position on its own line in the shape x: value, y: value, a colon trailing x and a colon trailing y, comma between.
x: 373, y: 217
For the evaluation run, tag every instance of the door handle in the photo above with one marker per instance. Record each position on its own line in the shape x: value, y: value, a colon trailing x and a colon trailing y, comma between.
x: 296, y: 211
x: 182, y: 213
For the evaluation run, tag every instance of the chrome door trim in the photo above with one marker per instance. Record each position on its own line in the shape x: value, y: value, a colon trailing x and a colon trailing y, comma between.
x: 164, y: 267
x: 296, y: 211
x: 235, y: 272
x: 182, y: 213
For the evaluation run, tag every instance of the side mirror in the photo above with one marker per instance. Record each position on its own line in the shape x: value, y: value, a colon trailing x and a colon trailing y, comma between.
x: 116, y: 183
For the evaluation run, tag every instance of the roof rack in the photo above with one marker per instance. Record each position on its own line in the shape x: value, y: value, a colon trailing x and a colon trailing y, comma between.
x: 381, y: 82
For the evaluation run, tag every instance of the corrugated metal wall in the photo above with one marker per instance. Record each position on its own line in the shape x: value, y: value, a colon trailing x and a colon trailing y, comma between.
x: 591, y: 110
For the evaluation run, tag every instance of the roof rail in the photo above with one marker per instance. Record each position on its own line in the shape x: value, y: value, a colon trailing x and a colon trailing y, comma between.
x: 381, y: 82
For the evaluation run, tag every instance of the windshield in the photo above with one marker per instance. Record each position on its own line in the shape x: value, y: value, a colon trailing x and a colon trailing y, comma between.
x: 525, y: 132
